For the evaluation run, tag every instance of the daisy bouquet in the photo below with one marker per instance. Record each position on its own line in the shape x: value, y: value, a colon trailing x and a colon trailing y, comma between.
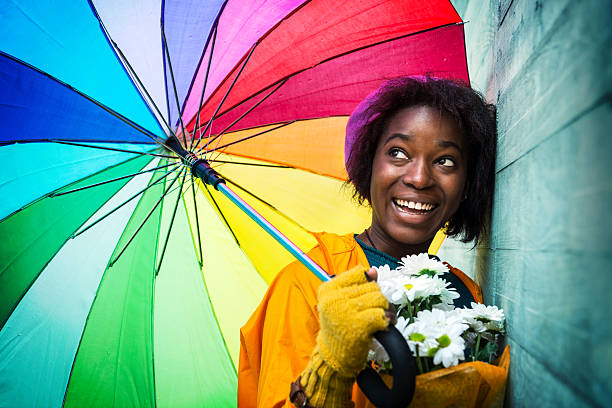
x: 438, y: 334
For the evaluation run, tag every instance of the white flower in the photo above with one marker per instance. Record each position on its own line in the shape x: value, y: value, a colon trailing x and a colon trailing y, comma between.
x: 421, y: 264
x: 436, y: 334
x: 492, y: 313
x: 392, y: 285
x: 421, y: 286
x: 384, y: 272
x: 482, y: 317
x: 417, y: 336
x: 475, y: 324
x: 400, y: 289
x: 440, y: 287
x: 439, y: 322
x: 446, y: 329
x: 450, y: 350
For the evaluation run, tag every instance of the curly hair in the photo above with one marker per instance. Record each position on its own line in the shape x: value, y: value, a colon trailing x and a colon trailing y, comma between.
x: 474, y: 117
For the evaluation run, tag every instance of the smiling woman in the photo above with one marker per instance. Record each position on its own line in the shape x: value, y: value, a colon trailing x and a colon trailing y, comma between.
x: 418, y: 180
x: 450, y: 103
x: 420, y: 152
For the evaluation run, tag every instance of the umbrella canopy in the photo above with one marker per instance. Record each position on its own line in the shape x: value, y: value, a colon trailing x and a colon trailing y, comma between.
x: 124, y: 281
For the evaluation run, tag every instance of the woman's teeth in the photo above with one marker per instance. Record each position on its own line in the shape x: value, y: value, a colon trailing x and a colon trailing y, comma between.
x: 413, y: 205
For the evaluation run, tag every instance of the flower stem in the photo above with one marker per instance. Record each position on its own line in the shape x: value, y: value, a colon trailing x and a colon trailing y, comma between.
x: 409, y: 307
x: 418, y: 359
x: 477, y: 348
x: 426, y: 364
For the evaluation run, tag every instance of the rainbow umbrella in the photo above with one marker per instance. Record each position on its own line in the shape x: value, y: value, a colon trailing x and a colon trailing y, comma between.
x: 124, y: 280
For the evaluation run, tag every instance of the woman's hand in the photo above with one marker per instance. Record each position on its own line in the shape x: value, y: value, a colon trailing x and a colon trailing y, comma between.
x: 372, y: 274
x: 351, y: 309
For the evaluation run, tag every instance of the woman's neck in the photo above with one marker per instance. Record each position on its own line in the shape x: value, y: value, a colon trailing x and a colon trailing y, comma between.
x: 384, y: 243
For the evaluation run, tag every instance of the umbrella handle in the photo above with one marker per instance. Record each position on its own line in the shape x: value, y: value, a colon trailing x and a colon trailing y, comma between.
x: 404, y: 373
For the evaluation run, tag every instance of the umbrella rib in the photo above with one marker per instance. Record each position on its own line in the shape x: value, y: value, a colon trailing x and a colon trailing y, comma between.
x: 127, y: 64
x: 276, y: 166
x: 178, y: 198
x: 248, y: 57
x: 291, y: 75
x: 249, y: 137
x: 247, y: 112
x: 222, y: 215
x: 177, y: 157
x: 144, y: 89
x: 195, y: 206
x: 74, y: 235
x: 212, y: 49
x: 194, y: 77
x: 110, y: 181
x: 111, y: 149
x: 178, y: 105
x: 266, y: 203
x: 166, y: 192
x: 425, y: 30
x: 261, y: 38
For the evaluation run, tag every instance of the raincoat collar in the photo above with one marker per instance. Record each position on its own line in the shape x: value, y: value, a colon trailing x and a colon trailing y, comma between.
x: 333, y: 245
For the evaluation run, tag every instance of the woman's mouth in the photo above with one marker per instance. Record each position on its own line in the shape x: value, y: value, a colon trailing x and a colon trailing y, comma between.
x: 413, y: 207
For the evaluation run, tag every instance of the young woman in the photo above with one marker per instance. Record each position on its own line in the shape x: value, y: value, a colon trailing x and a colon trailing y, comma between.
x: 420, y: 152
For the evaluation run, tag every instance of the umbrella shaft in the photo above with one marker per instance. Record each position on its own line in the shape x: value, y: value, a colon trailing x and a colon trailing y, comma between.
x: 276, y: 234
x: 201, y: 169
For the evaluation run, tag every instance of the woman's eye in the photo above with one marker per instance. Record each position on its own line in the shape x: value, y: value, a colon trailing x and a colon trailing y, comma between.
x: 398, y: 154
x: 446, y: 162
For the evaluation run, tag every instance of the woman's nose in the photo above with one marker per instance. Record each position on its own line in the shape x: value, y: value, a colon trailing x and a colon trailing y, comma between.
x: 418, y: 175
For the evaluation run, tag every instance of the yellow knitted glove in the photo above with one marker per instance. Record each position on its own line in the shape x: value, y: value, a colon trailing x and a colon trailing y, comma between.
x: 351, y: 310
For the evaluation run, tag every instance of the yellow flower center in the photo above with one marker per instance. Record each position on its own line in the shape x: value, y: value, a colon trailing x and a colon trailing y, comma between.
x: 444, y: 340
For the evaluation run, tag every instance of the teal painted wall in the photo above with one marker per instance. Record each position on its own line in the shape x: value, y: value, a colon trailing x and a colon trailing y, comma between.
x: 548, y: 259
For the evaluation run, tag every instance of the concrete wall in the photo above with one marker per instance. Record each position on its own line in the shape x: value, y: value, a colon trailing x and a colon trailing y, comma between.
x: 548, y: 261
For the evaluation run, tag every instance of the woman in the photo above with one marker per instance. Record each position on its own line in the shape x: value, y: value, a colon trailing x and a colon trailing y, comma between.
x: 420, y: 152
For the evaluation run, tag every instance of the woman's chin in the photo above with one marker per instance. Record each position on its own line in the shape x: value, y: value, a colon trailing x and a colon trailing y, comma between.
x: 414, y: 227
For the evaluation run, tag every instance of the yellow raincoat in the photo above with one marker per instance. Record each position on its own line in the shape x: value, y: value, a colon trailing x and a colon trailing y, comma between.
x: 277, y: 341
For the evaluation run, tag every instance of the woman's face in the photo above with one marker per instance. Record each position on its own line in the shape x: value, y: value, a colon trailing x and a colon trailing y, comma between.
x: 418, y: 179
